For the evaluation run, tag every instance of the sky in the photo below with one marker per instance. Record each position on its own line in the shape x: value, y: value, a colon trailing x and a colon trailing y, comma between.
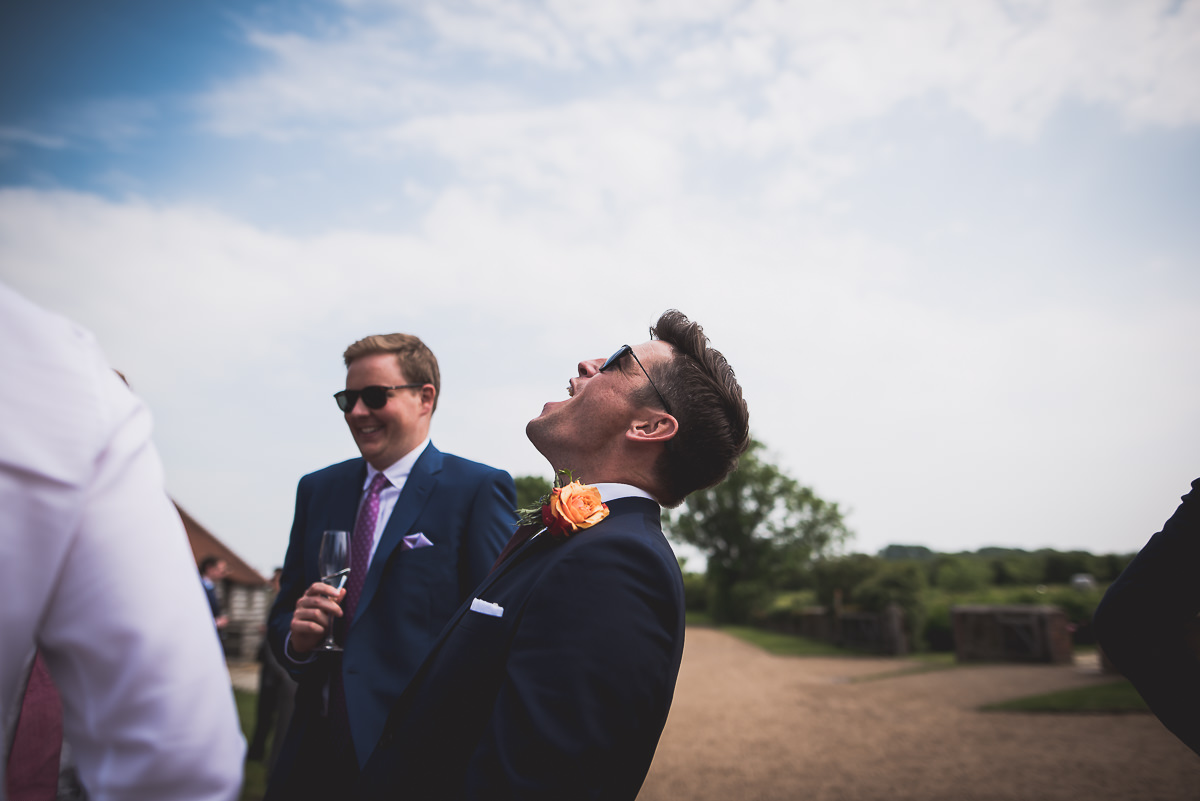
x: 951, y: 249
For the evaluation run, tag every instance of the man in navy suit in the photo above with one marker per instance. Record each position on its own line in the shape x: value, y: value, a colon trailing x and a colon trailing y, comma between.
x: 213, y: 570
x: 426, y: 526
x: 555, y: 680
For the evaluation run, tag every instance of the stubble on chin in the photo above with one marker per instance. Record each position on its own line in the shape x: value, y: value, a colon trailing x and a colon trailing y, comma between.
x: 540, y: 433
x: 534, y: 429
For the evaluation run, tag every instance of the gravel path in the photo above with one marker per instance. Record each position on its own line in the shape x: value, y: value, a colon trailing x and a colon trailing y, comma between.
x: 748, y: 725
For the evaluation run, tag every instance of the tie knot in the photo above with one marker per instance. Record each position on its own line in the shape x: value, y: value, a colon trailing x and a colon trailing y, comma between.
x: 378, y: 483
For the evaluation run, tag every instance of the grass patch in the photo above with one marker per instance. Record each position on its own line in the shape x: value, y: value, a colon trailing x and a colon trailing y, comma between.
x: 779, y: 644
x: 926, y: 662
x: 787, y: 644
x: 1114, y: 698
x: 254, y: 785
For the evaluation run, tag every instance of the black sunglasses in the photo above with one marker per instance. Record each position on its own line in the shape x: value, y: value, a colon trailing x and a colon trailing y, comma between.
x: 373, y: 397
x: 616, y: 357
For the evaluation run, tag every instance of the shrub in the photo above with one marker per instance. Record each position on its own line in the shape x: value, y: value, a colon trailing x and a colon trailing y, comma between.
x: 741, y: 601
x: 845, y: 573
x: 1059, y: 567
x: 959, y: 574
x: 1079, y: 606
x: 792, y: 612
x: 1016, y: 570
x: 901, y: 583
x: 939, y: 629
x: 695, y: 592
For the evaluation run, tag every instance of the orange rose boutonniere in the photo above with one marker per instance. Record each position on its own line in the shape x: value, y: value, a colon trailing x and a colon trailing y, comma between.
x: 573, y: 508
x: 569, y: 507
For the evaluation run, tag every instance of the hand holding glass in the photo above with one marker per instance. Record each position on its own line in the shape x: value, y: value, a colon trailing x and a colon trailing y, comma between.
x: 334, y: 564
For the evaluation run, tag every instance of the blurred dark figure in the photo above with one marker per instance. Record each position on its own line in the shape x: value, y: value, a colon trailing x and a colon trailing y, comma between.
x: 276, y: 695
x: 212, y: 570
x: 1147, y: 622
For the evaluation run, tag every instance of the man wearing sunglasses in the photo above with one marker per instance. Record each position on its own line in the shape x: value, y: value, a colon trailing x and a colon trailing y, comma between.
x: 555, y: 680
x: 425, y: 527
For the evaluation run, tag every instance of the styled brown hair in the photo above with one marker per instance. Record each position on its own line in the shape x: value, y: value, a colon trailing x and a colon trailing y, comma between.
x: 417, y: 361
x: 706, y: 400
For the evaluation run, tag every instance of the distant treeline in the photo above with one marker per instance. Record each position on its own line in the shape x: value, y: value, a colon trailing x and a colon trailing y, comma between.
x: 924, y: 583
x: 771, y: 548
x: 969, y: 570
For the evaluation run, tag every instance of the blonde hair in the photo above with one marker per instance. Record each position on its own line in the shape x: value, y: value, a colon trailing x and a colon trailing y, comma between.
x: 417, y: 362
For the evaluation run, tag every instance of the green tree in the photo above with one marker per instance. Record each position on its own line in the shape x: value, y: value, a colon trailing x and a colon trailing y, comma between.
x: 530, y: 489
x: 900, y: 583
x: 1016, y: 568
x: 904, y: 553
x: 758, y: 528
x: 961, y: 573
x: 840, y: 576
x: 1061, y: 566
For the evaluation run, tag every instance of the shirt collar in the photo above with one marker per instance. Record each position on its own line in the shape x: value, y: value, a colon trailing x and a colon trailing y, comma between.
x: 398, y: 472
x: 613, y: 491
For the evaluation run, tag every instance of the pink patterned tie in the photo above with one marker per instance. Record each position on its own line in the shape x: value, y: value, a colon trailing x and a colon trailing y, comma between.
x: 360, y: 545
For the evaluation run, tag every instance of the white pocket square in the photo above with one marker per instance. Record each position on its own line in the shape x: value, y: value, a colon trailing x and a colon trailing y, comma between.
x: 414, y: 541
x: 485, y: 608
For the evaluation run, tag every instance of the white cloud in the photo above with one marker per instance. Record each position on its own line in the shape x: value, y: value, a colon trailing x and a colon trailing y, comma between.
x: 508, y: 30
x: 801, y: 70
x: 906, y: 408
x: 596, y: 114
x: 23, y: 136
x: 968, y: 375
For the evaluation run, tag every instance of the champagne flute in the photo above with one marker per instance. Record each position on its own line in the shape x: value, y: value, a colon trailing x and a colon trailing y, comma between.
x: 334, y: 564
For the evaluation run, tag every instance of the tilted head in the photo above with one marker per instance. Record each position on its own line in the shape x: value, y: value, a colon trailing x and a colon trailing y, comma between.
x: 706, y: 399
x: 665, y: 415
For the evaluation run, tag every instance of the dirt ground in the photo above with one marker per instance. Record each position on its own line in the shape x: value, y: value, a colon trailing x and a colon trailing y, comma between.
x: 749, y: 726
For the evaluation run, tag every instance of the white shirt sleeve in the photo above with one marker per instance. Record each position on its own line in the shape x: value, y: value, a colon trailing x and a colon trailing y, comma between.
x: 108, y: 589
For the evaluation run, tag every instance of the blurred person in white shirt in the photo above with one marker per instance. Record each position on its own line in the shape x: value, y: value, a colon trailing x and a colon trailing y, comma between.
x: 99, y: 576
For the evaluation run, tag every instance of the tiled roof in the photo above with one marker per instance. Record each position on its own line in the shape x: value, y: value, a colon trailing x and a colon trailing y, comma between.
x: 205, y: 544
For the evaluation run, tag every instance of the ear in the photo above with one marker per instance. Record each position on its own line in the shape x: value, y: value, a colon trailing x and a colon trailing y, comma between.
x: 652, y: 427
x: 428, y: 393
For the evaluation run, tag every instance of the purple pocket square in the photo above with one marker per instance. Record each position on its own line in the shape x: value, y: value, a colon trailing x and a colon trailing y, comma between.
x: 414, y: 541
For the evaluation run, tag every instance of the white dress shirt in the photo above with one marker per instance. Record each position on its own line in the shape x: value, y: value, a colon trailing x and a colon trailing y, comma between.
x: 398, y: 475
x: 98, y: 575
x: 613, y: 491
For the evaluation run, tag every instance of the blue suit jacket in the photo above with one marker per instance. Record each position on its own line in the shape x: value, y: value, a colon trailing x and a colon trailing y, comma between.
x: 562, y: 696
x: 464, y: 508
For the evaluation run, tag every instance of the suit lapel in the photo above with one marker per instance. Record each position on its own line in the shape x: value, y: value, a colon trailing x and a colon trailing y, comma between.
x: 511, y: 561
x: 532, y: 544
x: 536, y: 544
x: 417, y: 488
x: 531, y: 547
x: 343, y: 506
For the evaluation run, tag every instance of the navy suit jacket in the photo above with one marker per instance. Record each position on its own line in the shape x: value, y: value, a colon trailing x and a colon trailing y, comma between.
x: 562, y: 696
x: 214, y: 603
x: 464, y: 508
x: 1147, y: 622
